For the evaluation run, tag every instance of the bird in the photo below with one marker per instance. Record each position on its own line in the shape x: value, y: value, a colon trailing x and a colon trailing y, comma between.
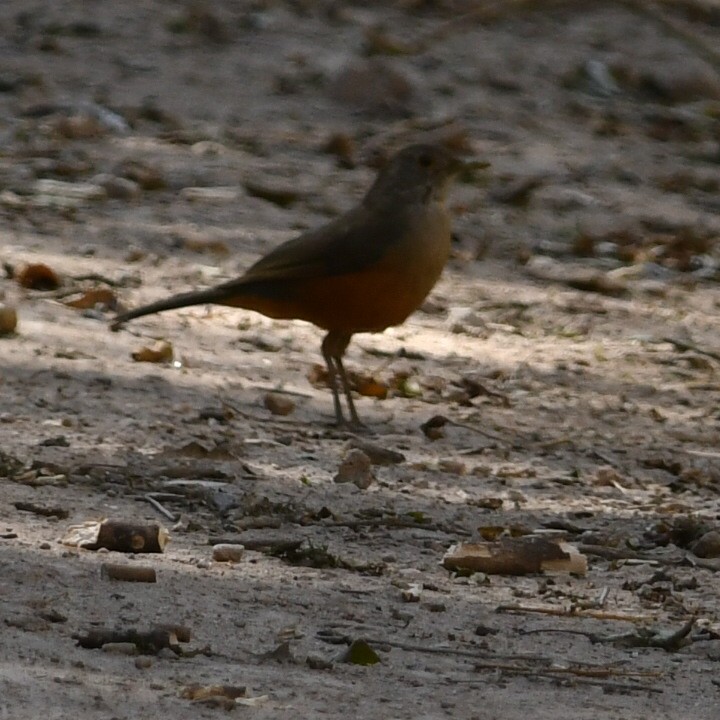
x: 363, y: 272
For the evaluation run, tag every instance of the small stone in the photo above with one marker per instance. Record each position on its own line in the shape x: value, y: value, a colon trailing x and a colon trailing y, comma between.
x: 378, y: 454
x: 356, y: 468
x: 8, y: 319
x: 228, y: 552
x: 277, y: 192
x: 146, y: 176
x: 708, y: 545
x: 143, y: 663
x: 118, y: 188
x: 69, y: 190
x: 412, y: 593
x: 466, y: 320
x: 317, y: 662
x: 57, y: 441
x: 278, y: 404
x: 454, y: 467
x: 210, y: 194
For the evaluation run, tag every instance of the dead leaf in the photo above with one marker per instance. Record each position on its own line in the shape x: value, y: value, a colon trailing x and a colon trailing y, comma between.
x: 359, y: 653
x: 38, y: 276
x: 368, y: 386
x: 103, y: 298
x: 160, y: 352
x: 491, y: 533
x: 515, y: 556
x: 202, y: 692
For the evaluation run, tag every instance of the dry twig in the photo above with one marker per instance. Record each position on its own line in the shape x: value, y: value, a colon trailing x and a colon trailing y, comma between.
x: 571, y: 612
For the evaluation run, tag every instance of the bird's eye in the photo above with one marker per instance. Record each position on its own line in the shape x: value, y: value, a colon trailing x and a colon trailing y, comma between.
x: 425, y: 160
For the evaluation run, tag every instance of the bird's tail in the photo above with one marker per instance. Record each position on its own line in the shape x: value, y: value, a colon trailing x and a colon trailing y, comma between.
x: 219, y: 295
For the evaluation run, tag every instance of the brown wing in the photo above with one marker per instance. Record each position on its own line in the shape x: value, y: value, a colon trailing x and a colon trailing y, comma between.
x: 344, y: 246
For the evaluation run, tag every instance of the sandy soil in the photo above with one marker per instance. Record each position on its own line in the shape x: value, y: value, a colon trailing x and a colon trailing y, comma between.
x: 571, y: 344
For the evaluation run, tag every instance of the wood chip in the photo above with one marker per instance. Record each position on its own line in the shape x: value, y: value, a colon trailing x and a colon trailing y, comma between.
x: 515, y: 556
x: 128, y: 573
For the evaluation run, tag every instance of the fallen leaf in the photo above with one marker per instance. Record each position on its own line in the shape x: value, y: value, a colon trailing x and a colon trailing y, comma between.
x: 103, y: 298
x: 515, y: 556
x: 365, y: 385
x: 368, y: 386
x: 359, y: 653
x: 38, y: 276
x: 160, y: 352
x: 202, y: 692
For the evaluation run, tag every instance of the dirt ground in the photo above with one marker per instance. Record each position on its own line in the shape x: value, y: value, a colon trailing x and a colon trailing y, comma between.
x: 150, y: 147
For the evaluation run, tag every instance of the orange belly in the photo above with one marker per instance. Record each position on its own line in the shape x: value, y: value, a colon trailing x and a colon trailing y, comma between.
x: 369, y: 301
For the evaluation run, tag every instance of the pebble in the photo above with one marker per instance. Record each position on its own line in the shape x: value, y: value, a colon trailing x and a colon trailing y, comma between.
x: 454, y: 467
x: 356, y: 468
x: 228, y: 552
x: 118, y: 188
x: 378, y: 454
x: 71, y: 191
x: 708, y: 545
x: 8, y: 319
x: 278, y: 404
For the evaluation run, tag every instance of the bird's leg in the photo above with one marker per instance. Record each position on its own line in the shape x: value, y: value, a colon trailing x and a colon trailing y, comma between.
x: 333, y: 348
x: 354, y: 419
x: 332, y: 377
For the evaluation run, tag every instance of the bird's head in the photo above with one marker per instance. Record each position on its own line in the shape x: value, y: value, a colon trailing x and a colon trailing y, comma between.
x: 417, y: 174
